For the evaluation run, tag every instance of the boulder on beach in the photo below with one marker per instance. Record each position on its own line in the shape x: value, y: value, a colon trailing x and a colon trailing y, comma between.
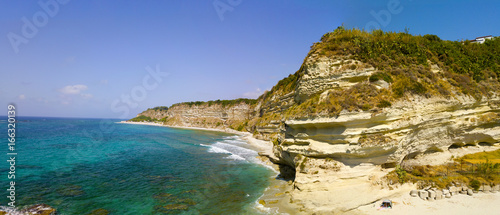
x: 453, y: 190
x: 446, y: 191
x: 423, y: 194
x: 439, y: 194
x: 414, y: 193
x: 469, y: 192
x: 487, y: 188
x: 432, y: 194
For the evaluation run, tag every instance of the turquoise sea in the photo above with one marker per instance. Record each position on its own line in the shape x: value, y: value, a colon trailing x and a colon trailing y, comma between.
x: 83, y: 165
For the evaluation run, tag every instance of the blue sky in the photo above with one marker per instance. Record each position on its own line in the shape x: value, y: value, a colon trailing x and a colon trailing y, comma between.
x: 76, y: 58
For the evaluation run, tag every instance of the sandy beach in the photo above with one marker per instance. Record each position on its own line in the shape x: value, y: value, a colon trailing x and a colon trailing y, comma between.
x: 479, y: 203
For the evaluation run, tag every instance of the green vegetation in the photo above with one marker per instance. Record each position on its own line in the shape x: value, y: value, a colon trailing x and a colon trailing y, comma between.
x: 481, y: 157
x: 223, y: 103
x: 474, y: 169
x: 407, y: 59
x: 159, y: 108
x: 402, y: 177
x: 475, y: 184
x: 391, y: 49
x: 381, y: 76
x: 141, y: 118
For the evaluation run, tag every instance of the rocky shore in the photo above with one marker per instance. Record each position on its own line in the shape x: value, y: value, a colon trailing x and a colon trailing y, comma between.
x: 41, y: 209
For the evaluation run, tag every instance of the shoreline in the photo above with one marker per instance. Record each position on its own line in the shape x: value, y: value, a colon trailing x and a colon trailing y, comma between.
x: 278, y: 197
x: 275, y: 199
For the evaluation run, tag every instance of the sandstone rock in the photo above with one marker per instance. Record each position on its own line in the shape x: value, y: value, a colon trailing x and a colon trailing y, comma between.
x: 423, y: 194
x: 487, y: 188
x: 446, y: 191
x: 439, y: 194
x: 432, y: 194
x: 469, y: 192
x: 414, y: 193
x: 496, y: 188
x: 453, y: 190
x: 448, y: 195
x: 41, y: 209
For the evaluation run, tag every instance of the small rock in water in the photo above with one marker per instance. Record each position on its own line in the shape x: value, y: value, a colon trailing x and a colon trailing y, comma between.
x: 41, y: 209
x: 100, y: 211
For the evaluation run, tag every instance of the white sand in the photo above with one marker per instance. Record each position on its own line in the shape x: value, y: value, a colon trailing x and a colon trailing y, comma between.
x: 479, y: 203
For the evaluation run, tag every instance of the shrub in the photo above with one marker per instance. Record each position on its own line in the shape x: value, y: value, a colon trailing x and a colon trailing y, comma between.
x: 384, y: 103
x: 402, y: 177
x: 475, y: 184
x: 381, y: 76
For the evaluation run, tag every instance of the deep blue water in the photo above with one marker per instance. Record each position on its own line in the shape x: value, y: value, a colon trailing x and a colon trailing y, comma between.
x: 80, y: 165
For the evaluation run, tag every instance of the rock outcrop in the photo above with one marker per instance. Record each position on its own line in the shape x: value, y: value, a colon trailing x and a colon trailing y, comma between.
x: 345, y: 118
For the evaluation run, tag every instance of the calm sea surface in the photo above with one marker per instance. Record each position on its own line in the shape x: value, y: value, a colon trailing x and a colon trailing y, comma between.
x: 82, y: 165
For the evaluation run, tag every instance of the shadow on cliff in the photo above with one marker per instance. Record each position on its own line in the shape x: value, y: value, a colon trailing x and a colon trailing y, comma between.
x: 287, y: 173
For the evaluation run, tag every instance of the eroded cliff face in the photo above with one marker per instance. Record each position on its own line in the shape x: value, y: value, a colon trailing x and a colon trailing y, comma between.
x: 321, y: 74
x: 411, y: 126
x: 154, y: 114
x: 205, y: 115
x: 351, y: 152
x: 404, y: 131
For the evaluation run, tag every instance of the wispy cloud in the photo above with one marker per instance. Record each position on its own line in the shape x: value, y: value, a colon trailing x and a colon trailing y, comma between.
x: 68, y: 93
x: 254, y: 94
x: 73, y: 89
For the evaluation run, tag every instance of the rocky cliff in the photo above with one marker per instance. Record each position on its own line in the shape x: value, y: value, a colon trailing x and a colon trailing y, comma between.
x: 233, y: 114
x: 362, y: 101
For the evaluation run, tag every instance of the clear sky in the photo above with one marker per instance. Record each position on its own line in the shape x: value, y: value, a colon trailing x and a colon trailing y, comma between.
x: 74, y: 58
